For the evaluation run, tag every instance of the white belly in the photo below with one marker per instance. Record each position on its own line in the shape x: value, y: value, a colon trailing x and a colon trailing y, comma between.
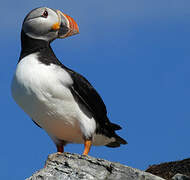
x: 42, y: 92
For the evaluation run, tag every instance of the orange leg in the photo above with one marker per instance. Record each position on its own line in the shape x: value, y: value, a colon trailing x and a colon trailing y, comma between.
x: 60, y: 148
x: 87, y: 145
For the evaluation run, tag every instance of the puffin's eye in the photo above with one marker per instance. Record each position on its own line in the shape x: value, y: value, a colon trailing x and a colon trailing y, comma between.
x: 45, y: 14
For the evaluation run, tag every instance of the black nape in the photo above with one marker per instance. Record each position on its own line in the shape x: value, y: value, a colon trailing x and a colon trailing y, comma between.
x: 30, y: 45
x: 42, y: 47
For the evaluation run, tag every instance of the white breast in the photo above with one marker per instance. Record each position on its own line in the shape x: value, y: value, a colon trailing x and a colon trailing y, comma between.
x: 42, y: 92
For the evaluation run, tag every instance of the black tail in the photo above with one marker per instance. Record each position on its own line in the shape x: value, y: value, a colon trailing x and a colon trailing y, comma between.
x: 118, y: 141
x: 108, y: 129
x: 115, y: 127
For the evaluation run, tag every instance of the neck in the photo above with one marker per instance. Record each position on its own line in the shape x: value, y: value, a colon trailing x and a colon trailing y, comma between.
x: 30, y: 45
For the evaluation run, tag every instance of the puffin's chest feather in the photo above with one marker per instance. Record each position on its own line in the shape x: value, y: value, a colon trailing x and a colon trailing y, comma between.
x: 37, y: 84
x: 30, y: 71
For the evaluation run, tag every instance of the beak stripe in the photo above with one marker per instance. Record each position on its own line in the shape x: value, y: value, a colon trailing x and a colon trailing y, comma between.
x: 73, y: 26
x: 70, y: 23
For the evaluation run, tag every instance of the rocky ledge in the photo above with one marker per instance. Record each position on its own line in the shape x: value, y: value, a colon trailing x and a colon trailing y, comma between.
x: 69, y: 166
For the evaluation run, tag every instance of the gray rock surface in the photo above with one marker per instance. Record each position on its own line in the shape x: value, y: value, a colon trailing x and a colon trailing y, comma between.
x: 69, y: 166
x: 180, y: 177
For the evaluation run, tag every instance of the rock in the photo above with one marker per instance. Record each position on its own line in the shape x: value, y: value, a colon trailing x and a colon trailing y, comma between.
x: 180, y: 177
x: 69, y: 166
x: 168, y: 170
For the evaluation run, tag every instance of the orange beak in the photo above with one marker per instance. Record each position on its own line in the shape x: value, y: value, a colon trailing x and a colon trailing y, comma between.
x: 66, y: 26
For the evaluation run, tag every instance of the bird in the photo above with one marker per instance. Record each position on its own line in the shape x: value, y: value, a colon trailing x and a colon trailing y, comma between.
x: 56, y: 98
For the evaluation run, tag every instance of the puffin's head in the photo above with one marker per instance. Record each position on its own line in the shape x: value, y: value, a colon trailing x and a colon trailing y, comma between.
x: 48, y: 24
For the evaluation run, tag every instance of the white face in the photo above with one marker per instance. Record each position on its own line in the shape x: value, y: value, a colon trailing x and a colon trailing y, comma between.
x: 38, y: 24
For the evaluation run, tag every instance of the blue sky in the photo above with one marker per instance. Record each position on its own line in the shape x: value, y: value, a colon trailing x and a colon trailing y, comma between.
x: 135, y: 53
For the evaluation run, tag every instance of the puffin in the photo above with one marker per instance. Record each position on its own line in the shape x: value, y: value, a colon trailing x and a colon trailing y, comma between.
x: 58, y: 99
